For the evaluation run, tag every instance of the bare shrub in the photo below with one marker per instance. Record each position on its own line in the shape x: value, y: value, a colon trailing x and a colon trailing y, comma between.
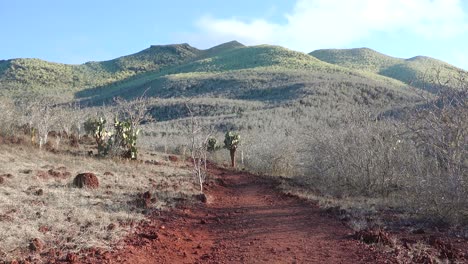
x: 360, y: 157
x: 41, y: 117
x: 8, y: 119
x: 439, y: 132
x: 270, y: 153
x: 199, y: 136
x: 419, y: 163
x: 136, y: 111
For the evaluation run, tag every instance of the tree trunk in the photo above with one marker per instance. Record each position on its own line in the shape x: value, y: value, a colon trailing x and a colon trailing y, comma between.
x: 233, y: 157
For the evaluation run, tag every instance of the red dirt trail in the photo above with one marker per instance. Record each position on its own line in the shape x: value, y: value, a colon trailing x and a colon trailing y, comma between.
x: 244, y: 221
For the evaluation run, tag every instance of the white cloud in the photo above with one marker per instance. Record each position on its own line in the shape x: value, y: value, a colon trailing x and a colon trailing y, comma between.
x: 336, y: 23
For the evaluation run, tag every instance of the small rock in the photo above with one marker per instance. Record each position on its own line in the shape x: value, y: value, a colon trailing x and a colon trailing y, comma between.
x: 147, y: 195
x: 42, y: 174
x: 36, y: 245
x: 108, y: 173
x: 144, y: 200
x: 173, y: 158
x: 149, y: 236
x: 111, y: 226
x: 71, y: 257
x: 151, y: 162
x: 43, y: 229
x: 39, y: 192
x: 202, y: 198
x: 2, y: 180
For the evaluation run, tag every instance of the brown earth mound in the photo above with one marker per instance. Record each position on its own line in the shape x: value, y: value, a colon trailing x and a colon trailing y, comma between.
x: 86, y: 180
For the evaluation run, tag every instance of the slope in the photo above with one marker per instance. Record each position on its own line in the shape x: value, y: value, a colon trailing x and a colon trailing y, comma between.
x: 27, y: 76
x: 418, y: 71
x: 265, y: 73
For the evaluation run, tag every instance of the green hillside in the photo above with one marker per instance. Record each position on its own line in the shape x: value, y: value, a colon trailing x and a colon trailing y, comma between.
x: 360, y: 59
x: 19, y: 76
x: 266, y: 73
x: 254, y: 57
x: 418, y: 71
x: 230, y: 70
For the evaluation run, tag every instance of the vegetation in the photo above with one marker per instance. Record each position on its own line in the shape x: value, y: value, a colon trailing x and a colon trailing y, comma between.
x: 344, y: 134
x: 419, y: 71
x: 20, y: 76
x: 125, y: 137
x: 231, y: 143
x: 97, y: 128
x: 212, y: 144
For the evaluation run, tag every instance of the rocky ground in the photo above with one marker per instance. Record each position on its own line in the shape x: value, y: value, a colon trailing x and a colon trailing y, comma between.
x: 244, y: 219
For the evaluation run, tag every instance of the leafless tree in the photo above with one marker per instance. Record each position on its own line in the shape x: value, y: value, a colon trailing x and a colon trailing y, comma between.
x: 8, y: 118
x: 135, y: 110
x: 44, y: 119
x: 439, y: 129
x: 199, y: 136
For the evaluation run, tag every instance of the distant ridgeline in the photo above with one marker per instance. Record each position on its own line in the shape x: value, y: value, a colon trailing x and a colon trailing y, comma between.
x: 418, y: 71
x: 230, y: 70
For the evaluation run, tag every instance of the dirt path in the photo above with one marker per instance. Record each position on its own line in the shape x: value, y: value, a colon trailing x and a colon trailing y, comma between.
x: 244, y: 221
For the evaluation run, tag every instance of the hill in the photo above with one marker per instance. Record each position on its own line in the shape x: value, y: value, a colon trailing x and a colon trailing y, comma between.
x: 188, y: 70
x: 419, y: 71
x: 232, y: 61
x: 327, y: 128
x: 264, y: 73
x: 26, y: 76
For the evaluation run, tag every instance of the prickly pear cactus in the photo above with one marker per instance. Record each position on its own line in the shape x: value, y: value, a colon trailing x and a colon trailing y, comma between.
x: 212, y: 144
x: 231, y: 140
x: 98, y: 129
x: 127, y: 137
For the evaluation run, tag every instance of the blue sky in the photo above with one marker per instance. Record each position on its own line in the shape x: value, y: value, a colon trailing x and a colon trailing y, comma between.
x: 80, y: 31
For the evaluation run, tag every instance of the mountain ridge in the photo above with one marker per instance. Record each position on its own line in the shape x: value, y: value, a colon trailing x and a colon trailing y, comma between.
x: 25, y: 76
x: 414, y: 71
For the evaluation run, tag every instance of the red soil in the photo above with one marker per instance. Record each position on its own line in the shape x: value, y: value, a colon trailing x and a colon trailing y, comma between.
x: 244, y: 221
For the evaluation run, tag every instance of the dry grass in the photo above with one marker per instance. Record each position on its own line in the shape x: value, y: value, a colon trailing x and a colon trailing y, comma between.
x: 68, y: 218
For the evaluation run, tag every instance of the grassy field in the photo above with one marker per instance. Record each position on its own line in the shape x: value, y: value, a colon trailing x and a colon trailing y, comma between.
x: 38, y: 200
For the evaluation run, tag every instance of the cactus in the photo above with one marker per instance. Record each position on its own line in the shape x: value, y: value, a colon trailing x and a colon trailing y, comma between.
x: 212, y: 144
x: 231, y: 142
x: 126, y: 136
x: 33, y: 135
x: 97, y: 128
x: 101, y: 135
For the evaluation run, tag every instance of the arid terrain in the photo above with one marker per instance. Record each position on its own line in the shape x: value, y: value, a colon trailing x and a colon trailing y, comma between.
x: 142, y: 214
x: 343, y: 156
x: 244, y: 219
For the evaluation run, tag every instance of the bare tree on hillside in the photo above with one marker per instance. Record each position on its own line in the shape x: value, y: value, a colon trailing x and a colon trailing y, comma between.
x: 136, y: 111
x: 199, y: 136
